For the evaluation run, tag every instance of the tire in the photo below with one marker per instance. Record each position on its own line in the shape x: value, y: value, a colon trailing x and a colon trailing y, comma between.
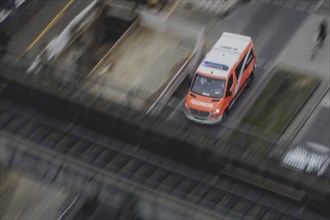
x: 250, y: 79
x: 225, y: 115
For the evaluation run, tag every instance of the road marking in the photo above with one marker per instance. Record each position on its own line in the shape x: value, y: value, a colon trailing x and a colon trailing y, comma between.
x: 173, y: 8
x: 311, y: 9
x: 326, y: 101
x: 326, y: 104
x: 302, y: 6
x: 17, y: 215
x: 299, y: 5
x: 60, y: 192
x: 51, y: 23
x: 268, y: 65
x: 260, y: 61
x: 314, y: 8
x: 290, y: 4
x: 68, y: 208
x: 318, y: 5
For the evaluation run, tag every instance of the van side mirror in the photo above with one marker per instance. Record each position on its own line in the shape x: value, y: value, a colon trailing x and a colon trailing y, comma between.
x: 228, y: 93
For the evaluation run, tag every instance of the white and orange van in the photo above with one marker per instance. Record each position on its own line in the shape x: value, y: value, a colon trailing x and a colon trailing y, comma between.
x: 221, y: 77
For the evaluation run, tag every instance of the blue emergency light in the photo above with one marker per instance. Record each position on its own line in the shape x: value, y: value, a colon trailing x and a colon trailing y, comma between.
x: 215, y: 65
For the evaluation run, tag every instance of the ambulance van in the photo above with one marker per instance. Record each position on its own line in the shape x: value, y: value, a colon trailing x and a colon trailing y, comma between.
x: 221, y: 77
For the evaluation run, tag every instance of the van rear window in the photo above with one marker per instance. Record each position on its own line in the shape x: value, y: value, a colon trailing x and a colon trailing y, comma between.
x: 207, y: 86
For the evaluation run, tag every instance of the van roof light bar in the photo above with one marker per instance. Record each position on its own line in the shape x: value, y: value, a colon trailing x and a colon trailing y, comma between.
x: 215, y: 65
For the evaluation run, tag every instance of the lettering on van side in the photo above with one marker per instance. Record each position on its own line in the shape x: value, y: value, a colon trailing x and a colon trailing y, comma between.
x: 228, y: 48
x: 202, y: 104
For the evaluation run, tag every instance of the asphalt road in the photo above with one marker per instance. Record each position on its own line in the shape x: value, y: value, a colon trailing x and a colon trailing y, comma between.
x: 271, y: 24
x: 42, y: 26
x: 271, y: 27
x: 317, y: 128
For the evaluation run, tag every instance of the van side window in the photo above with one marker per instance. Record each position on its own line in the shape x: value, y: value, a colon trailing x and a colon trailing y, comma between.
x: 230, y: 82
x: 239, y: 67
x: 249, y: 59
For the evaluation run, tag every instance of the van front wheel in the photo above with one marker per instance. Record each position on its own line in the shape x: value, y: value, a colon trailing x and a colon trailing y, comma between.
x: 250, y: 79
x: 225, y: 115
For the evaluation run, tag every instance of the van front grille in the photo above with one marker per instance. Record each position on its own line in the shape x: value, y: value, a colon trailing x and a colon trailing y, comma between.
x: 199, y: 114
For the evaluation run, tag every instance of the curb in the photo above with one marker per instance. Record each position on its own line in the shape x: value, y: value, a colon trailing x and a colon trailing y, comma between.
x: 299, y: 109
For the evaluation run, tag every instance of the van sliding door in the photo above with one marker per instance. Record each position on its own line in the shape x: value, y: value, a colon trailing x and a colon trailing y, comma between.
x: 240, y: 70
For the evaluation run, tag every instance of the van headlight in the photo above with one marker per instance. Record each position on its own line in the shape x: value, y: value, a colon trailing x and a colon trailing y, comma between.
x: 215, y: 111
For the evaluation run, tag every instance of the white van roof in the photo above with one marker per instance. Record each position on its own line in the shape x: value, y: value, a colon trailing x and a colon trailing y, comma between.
x: 224, y: 55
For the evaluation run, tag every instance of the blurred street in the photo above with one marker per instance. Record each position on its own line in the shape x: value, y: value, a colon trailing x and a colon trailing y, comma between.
x: 265, y: 22
x: 68, y: 115
x: 312, y: 123
x: 41, y: 27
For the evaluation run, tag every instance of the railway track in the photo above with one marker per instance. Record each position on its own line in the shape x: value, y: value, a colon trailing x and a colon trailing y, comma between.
x: 218, y: 195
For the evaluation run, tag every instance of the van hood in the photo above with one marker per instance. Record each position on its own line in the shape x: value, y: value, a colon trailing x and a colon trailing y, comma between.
x: 202, y: 103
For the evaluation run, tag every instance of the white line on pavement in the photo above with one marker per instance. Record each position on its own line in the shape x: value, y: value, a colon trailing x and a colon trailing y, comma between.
x: 326, y: 100
x: 260, y: 61
x: 326, y: 104
x: 268, y: 65
x: 294, y: 4
x: 302, y: 6
x: 67, y: 209
x: 17, y: 215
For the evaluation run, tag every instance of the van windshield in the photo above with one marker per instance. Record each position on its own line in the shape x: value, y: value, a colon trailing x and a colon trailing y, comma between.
x: 207, y: 86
